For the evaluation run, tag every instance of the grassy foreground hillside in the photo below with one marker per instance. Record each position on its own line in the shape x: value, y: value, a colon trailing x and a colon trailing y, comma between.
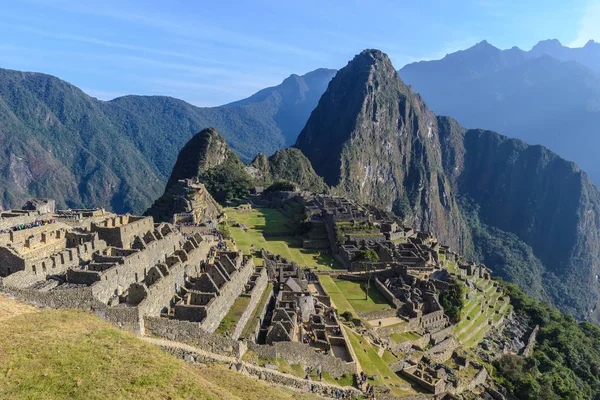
x: 56, y: 354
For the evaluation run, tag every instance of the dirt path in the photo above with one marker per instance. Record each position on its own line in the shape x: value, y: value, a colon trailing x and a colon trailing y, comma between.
x: 385, y: 322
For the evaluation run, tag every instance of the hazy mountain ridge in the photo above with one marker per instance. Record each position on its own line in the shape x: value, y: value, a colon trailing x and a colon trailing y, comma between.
x: 549, y: 95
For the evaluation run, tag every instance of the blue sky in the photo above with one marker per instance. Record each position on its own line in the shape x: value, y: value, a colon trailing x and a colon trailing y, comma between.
x: 214, y: 52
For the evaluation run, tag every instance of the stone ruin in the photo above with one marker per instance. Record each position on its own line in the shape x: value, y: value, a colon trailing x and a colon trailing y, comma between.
x: 299, y: 315
x: 185, y: 202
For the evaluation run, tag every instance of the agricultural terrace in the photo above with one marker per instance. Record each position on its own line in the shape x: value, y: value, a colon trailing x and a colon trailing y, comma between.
x: 373, y: 364
x: 483, y: 309
x: 280, y: 238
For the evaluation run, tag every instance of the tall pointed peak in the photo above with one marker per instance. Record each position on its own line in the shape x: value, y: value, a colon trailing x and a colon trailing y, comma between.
x: 205, y: 150
x: 365, y: 103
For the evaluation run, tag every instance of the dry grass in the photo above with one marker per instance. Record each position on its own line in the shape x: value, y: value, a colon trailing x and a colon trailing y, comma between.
x: 12, y: 308
x: 58, y: 354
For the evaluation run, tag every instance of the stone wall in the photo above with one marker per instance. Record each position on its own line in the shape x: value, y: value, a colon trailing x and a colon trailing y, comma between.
x: 479, y: 379
x: 119, y: 231
x: 255, y: 295
x: 268, y: 375
x: 386, y: 293
x: 10, y: 261
x: 442, y: 351
x: 253, y: 336
x: 298, y: 353
x: 160, y: 293
x: 369, y: 316
x: 191, y: 333
x: 531, y: 342
x: 220, y: 306
x: 420, y: 342
x: 442, y: 334
x: 81, y: 298
x: 24, y: 219
x: 116, y: 279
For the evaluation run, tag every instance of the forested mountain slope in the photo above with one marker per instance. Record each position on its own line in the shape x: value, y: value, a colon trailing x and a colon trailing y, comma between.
x: 59, y: 142
x: 528, y: 214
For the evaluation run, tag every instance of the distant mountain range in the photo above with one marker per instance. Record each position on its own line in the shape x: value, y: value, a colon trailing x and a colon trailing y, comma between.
x: 549, y: 95
x: 59, y: 142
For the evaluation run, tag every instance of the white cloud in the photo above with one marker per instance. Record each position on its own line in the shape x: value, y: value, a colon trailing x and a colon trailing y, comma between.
x: 589, y: 26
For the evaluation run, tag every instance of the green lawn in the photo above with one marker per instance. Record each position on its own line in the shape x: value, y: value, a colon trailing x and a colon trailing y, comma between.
x: 388, y: 357
x: 355, y: 294
x: 336, y: 294
x: 372, y: 364
x: 350, y: 296
x: 298, y: 371
x: 233, y: 316
x: 404, y: 336
x: 274, y: 221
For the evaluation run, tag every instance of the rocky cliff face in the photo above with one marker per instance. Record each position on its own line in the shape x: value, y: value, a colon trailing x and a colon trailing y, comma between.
x: 204, y: 151
x: 547, y: 202
x: 373, y: 139
x: 523, y: 210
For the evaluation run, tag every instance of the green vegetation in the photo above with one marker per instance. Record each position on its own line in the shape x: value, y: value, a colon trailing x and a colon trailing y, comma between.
x: 60, y: 354
x: 229, y: 322
x: 372, y: 364
x: 453, y: 300
x: 404, y: 336
x: 343, y: 229
x: 337, y: 297
x: 274, y: 222
x: 224, y: 230
x: 388, y: 357
x: 101, y: 153
x: 297, y: 370
x: 565, y: 363
x: 281, y: 186
x: 349, y: 296
x: 228, y: 181
x: 289, y: 165
x: 368, y: 255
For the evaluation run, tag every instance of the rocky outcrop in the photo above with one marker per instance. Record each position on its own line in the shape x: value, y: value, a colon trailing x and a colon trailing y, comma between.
x: 190, y: 201
x: 287, y: 165
x: 206, y: 150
